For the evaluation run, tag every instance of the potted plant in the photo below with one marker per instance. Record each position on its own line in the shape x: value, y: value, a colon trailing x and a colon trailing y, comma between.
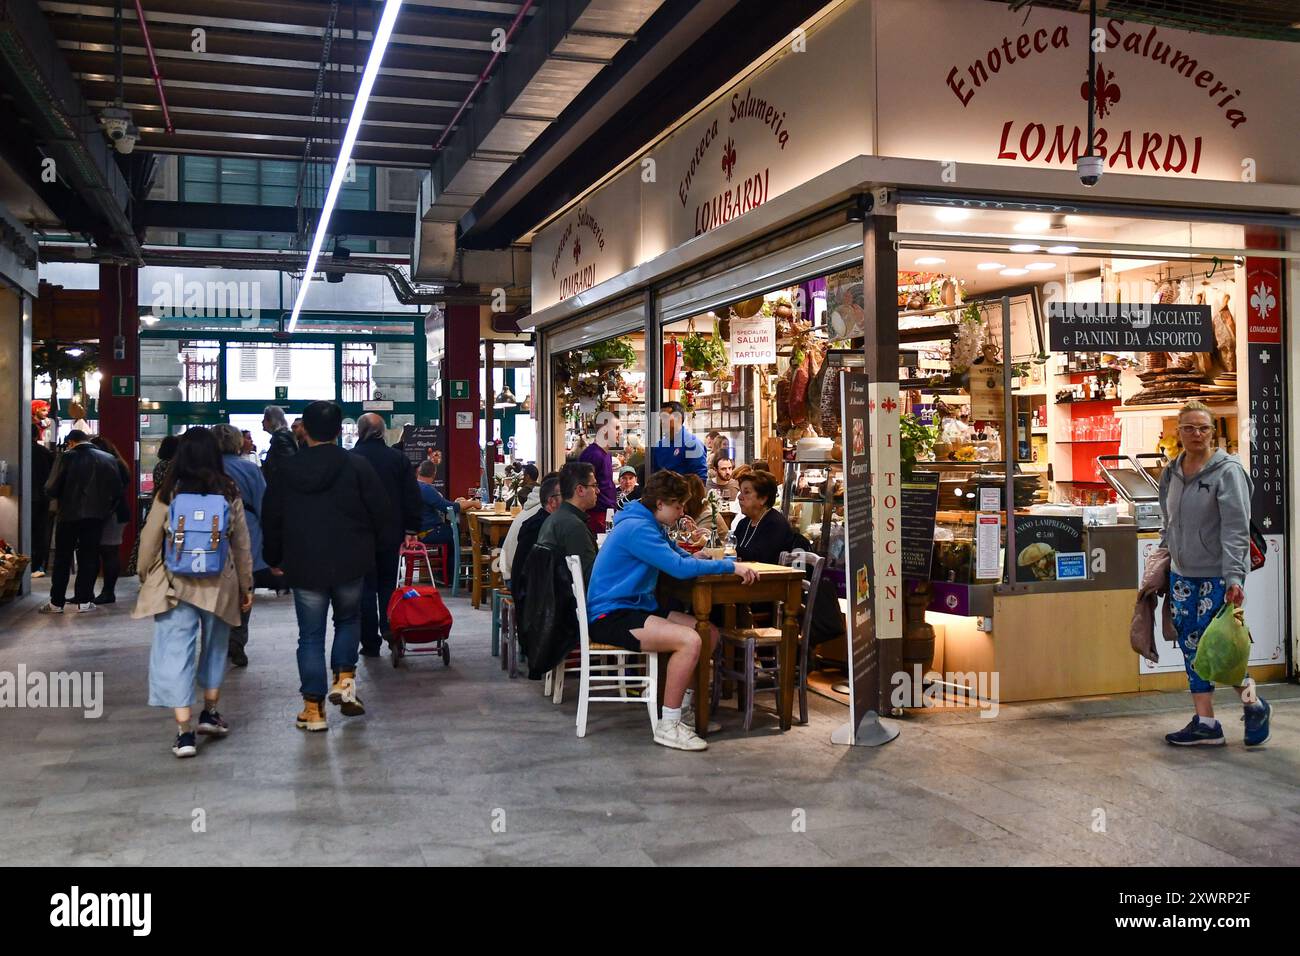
x: 612, y: 353
x: 915, y: 440
x: 707, y: 355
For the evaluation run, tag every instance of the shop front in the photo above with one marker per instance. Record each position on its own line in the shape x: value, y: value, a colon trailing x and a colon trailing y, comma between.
x: 17, y: 290
x: 925, y: 224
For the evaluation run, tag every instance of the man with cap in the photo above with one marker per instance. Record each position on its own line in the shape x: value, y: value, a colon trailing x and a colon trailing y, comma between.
x: 628, y: 489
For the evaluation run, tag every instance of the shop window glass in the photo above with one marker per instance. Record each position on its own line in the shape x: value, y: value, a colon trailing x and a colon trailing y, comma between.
x: 609, y: 375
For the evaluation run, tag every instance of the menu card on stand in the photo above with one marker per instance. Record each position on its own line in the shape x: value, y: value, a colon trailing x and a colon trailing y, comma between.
x: 420, y: 442
x: 920, y: 500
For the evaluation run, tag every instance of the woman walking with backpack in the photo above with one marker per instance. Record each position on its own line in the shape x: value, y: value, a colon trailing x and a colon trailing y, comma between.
x: 196, y: 571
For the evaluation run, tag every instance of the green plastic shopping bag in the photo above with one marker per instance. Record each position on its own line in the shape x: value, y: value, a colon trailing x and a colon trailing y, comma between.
x: 1225, y: 647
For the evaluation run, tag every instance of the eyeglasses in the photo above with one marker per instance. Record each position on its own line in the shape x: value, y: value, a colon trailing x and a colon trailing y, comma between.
x: 1196, y: 429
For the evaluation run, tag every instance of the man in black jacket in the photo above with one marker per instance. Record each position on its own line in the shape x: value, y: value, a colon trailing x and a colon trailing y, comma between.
x: 550, y: 498
x: 283, y: 446
x: 404, y: 509
x: 87, y: 486
x: 321, y: 519
x: 42, y: 466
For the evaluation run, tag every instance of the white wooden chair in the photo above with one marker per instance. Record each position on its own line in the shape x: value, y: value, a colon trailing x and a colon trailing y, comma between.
x: 605, y: 667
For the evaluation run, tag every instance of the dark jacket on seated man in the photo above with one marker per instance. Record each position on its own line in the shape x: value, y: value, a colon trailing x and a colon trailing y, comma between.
x: 566, y: 532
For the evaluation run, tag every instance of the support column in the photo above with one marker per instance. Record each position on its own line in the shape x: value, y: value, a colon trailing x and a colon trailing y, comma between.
x: 119, y: 416
x: 461, y: 362
x: 880, y: 279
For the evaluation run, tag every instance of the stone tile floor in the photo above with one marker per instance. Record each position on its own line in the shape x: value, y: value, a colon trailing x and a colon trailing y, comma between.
x: 461, y: 765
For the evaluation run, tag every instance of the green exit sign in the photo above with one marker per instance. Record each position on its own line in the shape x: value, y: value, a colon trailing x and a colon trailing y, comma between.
x: 124, y: 386
x: 282, y: 393
x: 459, y: 387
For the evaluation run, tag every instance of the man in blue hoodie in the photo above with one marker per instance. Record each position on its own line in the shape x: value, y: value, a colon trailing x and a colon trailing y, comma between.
x: 621, y: 605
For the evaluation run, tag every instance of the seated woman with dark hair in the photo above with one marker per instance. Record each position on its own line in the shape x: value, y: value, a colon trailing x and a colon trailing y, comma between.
x: 696, y: 517
x: 762, y: 532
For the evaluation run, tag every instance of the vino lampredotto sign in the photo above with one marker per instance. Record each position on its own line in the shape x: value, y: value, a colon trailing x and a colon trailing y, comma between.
x: 1140, y: 327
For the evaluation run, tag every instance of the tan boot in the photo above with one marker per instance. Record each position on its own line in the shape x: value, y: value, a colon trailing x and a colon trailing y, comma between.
x: 344, y: 693
x: 312, y: 716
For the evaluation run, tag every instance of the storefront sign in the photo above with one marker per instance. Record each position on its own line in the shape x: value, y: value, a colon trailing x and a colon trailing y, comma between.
x: 886, y: 508
x: 753, y: 340
x: 859, y: 528
x: 1039, y: 539
x: 1009, y: 86
x: 920, y: 503
x: 1266, y: 360
x: 1139, y: 327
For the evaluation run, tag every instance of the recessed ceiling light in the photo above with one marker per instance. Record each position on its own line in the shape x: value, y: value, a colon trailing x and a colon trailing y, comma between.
x: 1062, y: 250
x: 948, y: 214
x: 1014, y: 272
x: 930, y: 261
x: 1024, y: 247
x: 1032, y: 224
x: 1041, y: 266
x: 990, y: 266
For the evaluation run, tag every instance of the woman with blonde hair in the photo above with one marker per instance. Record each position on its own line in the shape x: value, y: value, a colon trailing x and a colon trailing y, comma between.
x: 1205, y: 503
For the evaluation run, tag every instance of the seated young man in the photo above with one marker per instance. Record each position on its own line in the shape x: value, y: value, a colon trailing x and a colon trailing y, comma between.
x: 621, y: 602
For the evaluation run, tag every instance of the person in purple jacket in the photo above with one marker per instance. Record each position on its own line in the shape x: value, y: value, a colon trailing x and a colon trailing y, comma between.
x: 609, y: 432
x: 621, y: 605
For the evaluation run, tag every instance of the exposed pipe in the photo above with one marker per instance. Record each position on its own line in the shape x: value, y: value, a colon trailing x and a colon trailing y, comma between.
x: 482, y: 77
x: 153, y: 65
x: 406, y: 293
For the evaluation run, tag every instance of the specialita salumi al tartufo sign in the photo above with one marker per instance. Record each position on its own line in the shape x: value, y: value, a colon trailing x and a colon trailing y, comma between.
x: 1141, y: 327
x: 753, y: 340
x: 864, y: 657
x: 1009, y: 86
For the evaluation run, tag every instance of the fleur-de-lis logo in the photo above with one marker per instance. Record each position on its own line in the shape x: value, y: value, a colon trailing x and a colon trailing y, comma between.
x: 1262, y: 300
x: 889, y: 404
x: 1107, y: 92
x: 577, y: 250
x: 729, y: 158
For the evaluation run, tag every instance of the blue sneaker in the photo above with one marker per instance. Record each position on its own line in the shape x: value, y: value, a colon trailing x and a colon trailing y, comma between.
x: 184, y: 746
x: 1256, y: 718
x: 1196, y: 733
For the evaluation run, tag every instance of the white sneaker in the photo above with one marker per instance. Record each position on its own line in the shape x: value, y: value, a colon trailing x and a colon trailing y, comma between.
x: 38, y: 574
x: 675, y: 734
x: 688, y: 718
x: 87, y: 608
x: 48, y: 608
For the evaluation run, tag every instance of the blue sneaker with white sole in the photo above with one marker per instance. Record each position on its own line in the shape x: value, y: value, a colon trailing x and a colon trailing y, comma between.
x: 1256, y: 718
x: 1196, y: 733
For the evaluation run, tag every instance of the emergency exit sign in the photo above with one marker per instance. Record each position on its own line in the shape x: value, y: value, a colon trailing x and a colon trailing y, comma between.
x: 459, y: 387
x: 124, y: 386
x: 282, y: 393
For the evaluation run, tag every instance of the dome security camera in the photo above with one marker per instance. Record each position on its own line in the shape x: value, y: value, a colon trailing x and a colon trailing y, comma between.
x: 119, y: 129
x: 1089, y: 169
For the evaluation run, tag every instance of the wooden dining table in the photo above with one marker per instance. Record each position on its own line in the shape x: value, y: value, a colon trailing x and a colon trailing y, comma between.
x: 493, y: 526
x: 701, y: 595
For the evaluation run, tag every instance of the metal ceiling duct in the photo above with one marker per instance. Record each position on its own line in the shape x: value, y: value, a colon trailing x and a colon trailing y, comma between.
x: 554, y: 56
x: 40, y: 82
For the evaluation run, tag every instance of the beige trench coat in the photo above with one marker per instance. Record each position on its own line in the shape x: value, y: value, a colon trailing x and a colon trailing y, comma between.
x: 160, y: 591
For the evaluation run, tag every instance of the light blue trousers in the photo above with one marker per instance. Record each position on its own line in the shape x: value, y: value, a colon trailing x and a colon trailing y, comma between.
x: 189, y: 644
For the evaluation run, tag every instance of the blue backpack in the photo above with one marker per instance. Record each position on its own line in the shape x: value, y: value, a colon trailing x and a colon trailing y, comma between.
x: 198, y: 535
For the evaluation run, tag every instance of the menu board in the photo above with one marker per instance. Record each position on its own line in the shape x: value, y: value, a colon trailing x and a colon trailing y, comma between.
x: 920, y: 502
x: 425, y: 442
x: 864, y: 658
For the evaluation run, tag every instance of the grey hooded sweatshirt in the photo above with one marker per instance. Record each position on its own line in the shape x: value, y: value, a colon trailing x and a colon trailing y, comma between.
x: 1207, y: 519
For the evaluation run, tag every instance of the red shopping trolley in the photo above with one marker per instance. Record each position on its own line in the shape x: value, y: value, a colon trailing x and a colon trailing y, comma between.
x: 417, y: 617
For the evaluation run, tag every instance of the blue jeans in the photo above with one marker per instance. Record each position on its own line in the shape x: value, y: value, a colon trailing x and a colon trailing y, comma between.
x: 311, y: 608
x: 1195, y: 602
x: 173, y: 664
